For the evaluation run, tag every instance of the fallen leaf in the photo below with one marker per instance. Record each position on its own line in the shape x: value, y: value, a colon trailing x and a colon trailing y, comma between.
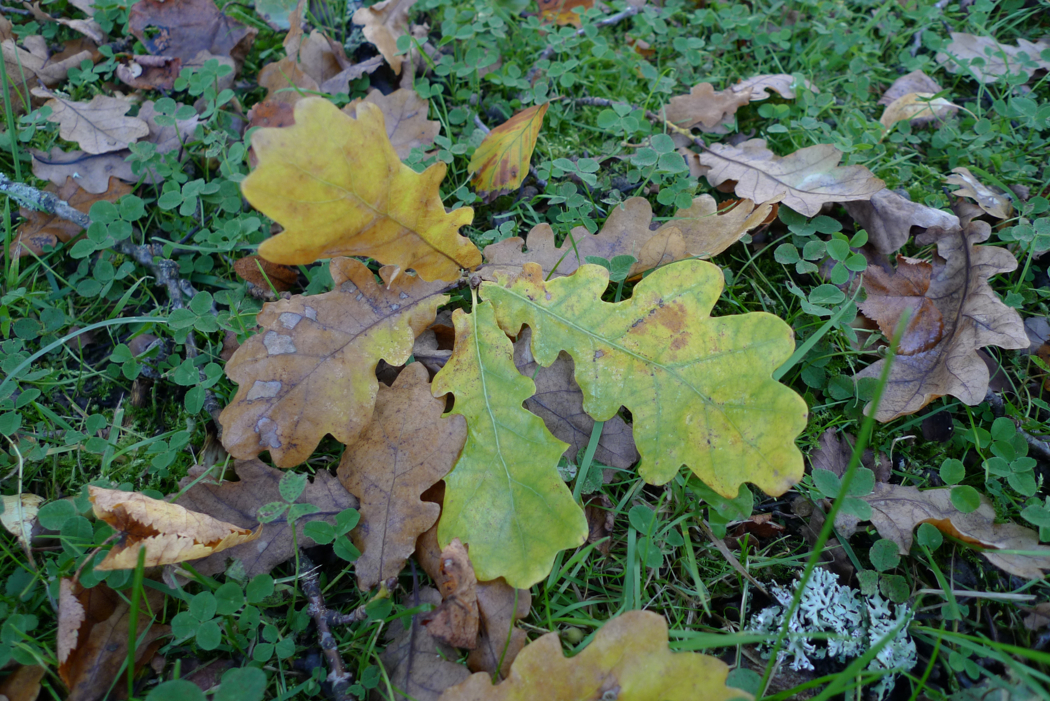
x: 890, y: 294
x: 501, y: 162
x: 169, y: 533
x: 991, y: 199
x: 150, y: 72
x: 704, y: 380
x: 836, y: 449
x: 989, y: 60
x: 711, y: 111
x: 782, y: 84
x: 455, y: 621
x: 419, y: 666
x: 311, y: 369
x: 559, y: 402
x: 98, y: 627
x: 601, y: 517
x: 262, y: 273
x: 760, y: 526
x: 42, y: 229
x: 383, y: 23
x: 99, y: 126
x: 973, y: 316
x: 405, y: 116
x: 561, y: 11
x: 897, y: 510
x: 628, y: 658
x: 23, y: 684
x: 405, y: 449
x: 19, y: 514
x: 1038, y: 616
x: 803, y: 180
x: 919, y: 108
x: 238, y: 502
x: 913, y: 82
x: 504, y: 497
x: 276, y: 13
x: 338, y: 188
x: 889, y: 218
x: 184, y: 28
x: 34, y: 60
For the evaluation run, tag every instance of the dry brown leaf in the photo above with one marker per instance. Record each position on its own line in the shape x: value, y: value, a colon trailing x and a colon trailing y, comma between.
x: 561, y: 11
x: 238, y: 502
x: 383, y: 23
x: 804, y: 180
x: 897, y: 510
x: 991, y: 199
x: 913, y: 82
x: 889, y: 294
x: 311, y: 370
x: 406, y: 448
x: 760, y: 85
x: 262, y: 273
x: 34, y: 60
x: 23, y: 684
x: 974, y: 317
x: 889, y: 218
x: 1038, y: 616
x: 184, y: 28
x: 998, y: 59
x: 19, y: 515
x: 711, y: 111
x: 836, y: 449
x: 919, y: 108
x: 405, y: 114
x: 169, y: 533
x: 42, y: 229
x: 150, y: 72
x: 559, y: 402
x: 97, y: 627
x: 88, y: 27
x: 455, y: 621
x: 99, y: 126
x: 601, y: 517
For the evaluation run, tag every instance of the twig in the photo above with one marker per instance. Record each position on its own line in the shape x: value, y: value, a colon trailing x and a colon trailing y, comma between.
x: 15, y: 11
x: 990, y: 595
x: 361, y: 612
x: 338, y: 676
x: 606, y: 22
x: 43, y: 201
x: 916, y: 40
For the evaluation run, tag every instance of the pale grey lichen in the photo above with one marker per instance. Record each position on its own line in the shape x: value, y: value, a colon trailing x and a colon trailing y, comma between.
x: 837, y: 622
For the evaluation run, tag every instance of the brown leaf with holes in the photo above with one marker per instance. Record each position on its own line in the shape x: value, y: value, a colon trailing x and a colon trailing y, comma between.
x: 42, y: 229
x: 973, y: 317
x: 760, y: 85
x: 559, y: 402
x: 991, y: 199
x: 889, y: 219
x: 169, y: 533
x: 184, y: 28
x: 455, y: 621
x: 238, y: 502
x: 712, y: 112
x: 99, y: 126
x: 897, y: 510
x: 405, y: 114
x: 382, y: 24
x: 405, y: 449
x: 22, y: 684
x: 262, y: 273
x: 311, y: 370
x: 94, y: 628
x: 890, y: 294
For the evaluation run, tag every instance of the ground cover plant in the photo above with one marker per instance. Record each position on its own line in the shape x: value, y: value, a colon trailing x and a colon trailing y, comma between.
x: 504, y: 350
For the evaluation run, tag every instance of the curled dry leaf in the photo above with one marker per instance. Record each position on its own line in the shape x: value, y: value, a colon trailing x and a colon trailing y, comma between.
x: 628, y: 658
x: 559, y: 402
x: 973, y: 317
x: 382, y: 24
x: 988, y: 60
x: 501, y: 162
x: 262, y: 273
x: 782, y: 84
x: 99, y: 126
x: 889, y: 294
x: 919, y: 108
x: 991, y: 199
x: 311, y: 370
x: 913, y: 82
x: 88, y: 27
x: 19, y: 514
x: 712, y: 112
x: 405, y: 116
x: 169, y: 533
x: 455, y: 621
x: 184, y: 28
x: 238, y: 502
x: 34, y: 60
x: 889, y: 219
x: 42, y: 229
x: 897, y: 510
x: 405, y: 450
x: 804, y: 180
x: 338, y: 187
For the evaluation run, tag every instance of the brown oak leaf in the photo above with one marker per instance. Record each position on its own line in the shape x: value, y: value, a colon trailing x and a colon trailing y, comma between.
x: 455, y: 621
x: 383, y: 23
x: 707, y: 109
x: 99, y: 126
x: 991, y: 199
x: 889, y: 218
x: 405, y: 114
x: 30, y: 57
x: 262, y: 273
x: 889, y: 294
x: 42, y: 229
x: 184, y: 28
x: 782, y: 84
x: 22, y: 684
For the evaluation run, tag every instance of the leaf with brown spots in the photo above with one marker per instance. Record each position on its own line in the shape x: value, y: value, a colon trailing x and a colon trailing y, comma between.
x: 42, y: 229
x: 310, y: 371
x: 501, y: 162
x: 406, y: 449
x: 455, y: 621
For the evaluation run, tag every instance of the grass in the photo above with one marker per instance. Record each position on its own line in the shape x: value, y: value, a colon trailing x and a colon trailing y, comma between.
x: 72, y: 422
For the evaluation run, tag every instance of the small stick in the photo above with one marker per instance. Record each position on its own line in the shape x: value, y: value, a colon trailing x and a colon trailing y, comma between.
x: 991, y: 595
x: 338, y: 675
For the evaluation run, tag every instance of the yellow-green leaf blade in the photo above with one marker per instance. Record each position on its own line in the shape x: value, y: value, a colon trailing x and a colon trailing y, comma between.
x: 504, y: 498
x: 699, y: 388
x: 502, y: 160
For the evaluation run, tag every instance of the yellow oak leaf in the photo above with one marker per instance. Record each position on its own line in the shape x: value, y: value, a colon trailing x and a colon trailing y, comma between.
x: 337, y: 186
x: 502, y: 159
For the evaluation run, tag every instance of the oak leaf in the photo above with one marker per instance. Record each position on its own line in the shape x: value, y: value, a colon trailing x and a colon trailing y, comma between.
x: 897, y: 510
x: 889, y: 218
x: 559, y: 402
x: 991, y: 199
x: 33, y: 60
x: 184, y: 28
x: 501, y: 162
x: 238, y: 502
x: 169, y: 533
x: 405, y: 116
x: 42, y: 229
x: 707, y: 109
x: 405, y: 449
x: 913, y: 82
x: 504, y: 498
x: 383, y: 23
x: 699, y: 388
x: 455, y: 621
x: 22, y: 684
x: 338, y: 187
x: 19, y: 515
x: 150, y: 72
x: 99, y: 126
x: 803, y: 180
x: 988, y: 59
x: 628, y: 659
x: 311, y: 369
x: 889, y: 294
x: 262, y: 273
x: 918, y: 108
x: 781, y: 83
x: 973, y: 317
